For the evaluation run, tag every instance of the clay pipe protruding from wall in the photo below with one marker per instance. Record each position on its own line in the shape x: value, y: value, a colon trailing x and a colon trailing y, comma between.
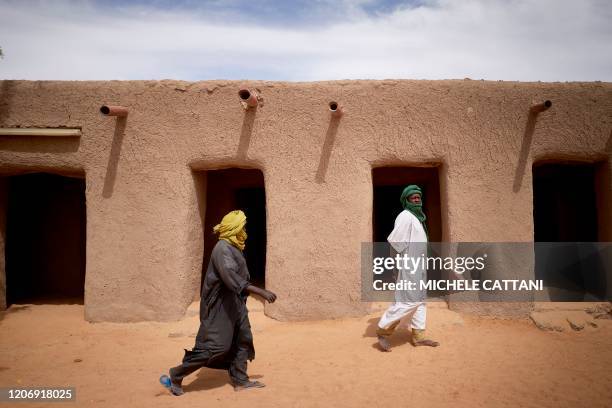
x: 248, y: 98
x: 540, y: 107
x: 335, y: 109
x: 109, y: 110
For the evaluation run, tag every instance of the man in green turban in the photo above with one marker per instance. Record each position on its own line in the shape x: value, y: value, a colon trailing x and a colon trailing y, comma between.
x: 411, y: 200
x: 408, y: 238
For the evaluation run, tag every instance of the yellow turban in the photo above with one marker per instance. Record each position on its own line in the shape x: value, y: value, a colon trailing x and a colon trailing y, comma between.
x: 231, y: 229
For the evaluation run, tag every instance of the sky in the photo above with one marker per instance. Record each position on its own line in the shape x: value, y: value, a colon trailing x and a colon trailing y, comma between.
x: 524, y: 40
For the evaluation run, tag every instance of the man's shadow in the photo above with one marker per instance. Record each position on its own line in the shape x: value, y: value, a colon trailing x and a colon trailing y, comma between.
x: 402, y: 334
x: 208, y: 379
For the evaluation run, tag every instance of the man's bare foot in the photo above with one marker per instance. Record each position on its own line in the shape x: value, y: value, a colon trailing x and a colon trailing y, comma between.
x: 426, y: 342
x: 384, y: 344
x: 247, y: 385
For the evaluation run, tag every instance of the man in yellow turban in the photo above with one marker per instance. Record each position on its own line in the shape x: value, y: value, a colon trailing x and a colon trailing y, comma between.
x: 232, y: 229
x: 224, y: 340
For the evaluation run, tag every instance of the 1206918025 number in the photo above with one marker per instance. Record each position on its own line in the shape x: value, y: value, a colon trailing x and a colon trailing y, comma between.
x: 37, y: 394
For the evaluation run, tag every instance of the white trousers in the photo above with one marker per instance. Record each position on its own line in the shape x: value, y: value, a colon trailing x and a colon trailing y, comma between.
x: 399, y: 310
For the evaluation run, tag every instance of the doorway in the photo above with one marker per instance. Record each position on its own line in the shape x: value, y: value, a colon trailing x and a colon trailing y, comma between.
x: 388, y: 184
x: 45, y: 239
x: 566, y: 230
x: 238, y: 189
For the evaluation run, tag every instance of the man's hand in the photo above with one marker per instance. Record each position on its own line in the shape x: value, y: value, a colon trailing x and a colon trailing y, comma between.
x: 268, y: 296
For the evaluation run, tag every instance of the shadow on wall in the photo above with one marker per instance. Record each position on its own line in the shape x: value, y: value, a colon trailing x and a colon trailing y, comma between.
x: 113, y: 158
x: 328, y: 144
x: 246, y: 132
x: 524, y: 152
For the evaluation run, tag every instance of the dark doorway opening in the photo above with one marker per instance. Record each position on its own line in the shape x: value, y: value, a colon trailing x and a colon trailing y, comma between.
x: 565, y: 210
x: 388, y: 184
x: 45, y: 239
x: 238, y: 189
x: 564, y: 203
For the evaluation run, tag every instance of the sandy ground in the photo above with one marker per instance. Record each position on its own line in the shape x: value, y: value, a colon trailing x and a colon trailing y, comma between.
x: 481, y: 362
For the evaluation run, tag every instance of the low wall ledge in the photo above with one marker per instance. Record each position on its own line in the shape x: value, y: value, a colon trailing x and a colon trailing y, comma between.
x: 61, y: 132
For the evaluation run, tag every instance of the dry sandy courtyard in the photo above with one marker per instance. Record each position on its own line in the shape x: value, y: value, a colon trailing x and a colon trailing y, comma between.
x: 481, y: 363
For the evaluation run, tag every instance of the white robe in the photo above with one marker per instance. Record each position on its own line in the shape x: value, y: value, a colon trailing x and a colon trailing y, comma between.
x: 408, y: 238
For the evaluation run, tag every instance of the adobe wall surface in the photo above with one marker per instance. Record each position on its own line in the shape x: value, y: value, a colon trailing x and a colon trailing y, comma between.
x: 144, y: 232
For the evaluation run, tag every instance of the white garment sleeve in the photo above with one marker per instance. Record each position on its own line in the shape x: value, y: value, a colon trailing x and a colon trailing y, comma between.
x: 402, y: 232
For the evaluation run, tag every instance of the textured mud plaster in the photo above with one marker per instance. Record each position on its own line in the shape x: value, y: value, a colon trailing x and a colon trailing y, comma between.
x: 144, y: 219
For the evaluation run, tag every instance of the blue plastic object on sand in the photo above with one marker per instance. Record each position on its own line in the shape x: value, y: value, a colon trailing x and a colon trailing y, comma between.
x: 165, y: 381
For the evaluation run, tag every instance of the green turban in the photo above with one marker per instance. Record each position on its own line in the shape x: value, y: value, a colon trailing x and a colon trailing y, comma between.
x: 415, y: 208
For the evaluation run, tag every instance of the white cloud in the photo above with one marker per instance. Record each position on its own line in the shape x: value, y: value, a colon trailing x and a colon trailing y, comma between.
x: 525, y: 40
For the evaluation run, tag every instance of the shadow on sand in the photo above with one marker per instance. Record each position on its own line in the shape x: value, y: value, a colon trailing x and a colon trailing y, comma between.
x: 13, y: 309
x: 401, y: 336
x: 208, y: 379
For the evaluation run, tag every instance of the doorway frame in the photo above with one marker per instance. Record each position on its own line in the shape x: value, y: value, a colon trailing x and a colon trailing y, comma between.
x: 442, y: 170
x: 200, y: 180
x: 5, y: 175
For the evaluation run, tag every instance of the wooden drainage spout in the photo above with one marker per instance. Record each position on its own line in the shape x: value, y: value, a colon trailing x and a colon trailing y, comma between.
x: 541, y: 107
x: 248, y: 98
x: 335, y: 109
x: 110, y: 110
